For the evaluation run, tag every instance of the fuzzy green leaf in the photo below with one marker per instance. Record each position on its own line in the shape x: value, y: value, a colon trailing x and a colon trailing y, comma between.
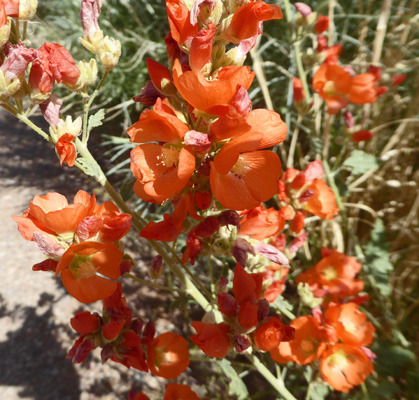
x: 96, y: 120
x: 236, y: 386
x: 361, y: 162
x: 377, y: 258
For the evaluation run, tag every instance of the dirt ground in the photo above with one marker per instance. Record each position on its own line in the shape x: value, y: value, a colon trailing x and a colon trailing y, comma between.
x: 35, y: 309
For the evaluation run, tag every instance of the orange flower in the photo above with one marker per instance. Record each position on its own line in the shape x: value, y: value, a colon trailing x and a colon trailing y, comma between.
x: 168, y: 355
x: 79, y: 266
x: 175, y: 391
x: 161, y: 170
x: 364, y: 89
x: 66, y: 149
x: 270, y: 334
x: 305, y: 347
x: 261, y: 223
x: 351, y: 325
x: 181, y: 27
x: 203, y: 94
x: 322, y: 202
x: 335, y: 273
x: 242, y: 177
x: 246, y: 20
x: 344, y: 366
x: 333, y: 84
x: 52, y: 214
x: 212, y: 339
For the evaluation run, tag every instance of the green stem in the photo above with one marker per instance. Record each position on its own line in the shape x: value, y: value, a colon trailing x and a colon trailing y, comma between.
x: 87, y: 105
x: 150, y: 284
x: 37, y: 129
x: 297, y: 52
x: 276, y: 383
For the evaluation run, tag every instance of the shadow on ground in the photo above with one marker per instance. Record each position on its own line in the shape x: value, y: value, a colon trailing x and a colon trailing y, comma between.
x: 31, y: 356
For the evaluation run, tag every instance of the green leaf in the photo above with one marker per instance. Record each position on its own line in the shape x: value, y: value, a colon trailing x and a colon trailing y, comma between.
x: 392, y: 360
x: 319, y: 391
x: 361, y: 162
x: 377, y: 258
x: 96, y: 120
x: 89, y: 168
x: 236, y: 386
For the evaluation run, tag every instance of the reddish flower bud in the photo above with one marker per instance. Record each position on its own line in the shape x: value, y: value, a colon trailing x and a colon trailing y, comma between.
x: 212, y: 339
x: 112, y: 329
x: 322, y: 24
x: 398, y: 79
x: 241, y: 343
x: 227, y: 304
x: 84, y: 322
x: 240, y: 249
x: 202, y: 199
x: 66, y: 149
x: 229, y: 217
x: 349, y: 119
x: 263, y: 310
x: 271, y: 253
x: 298, y: 92
x: 46, y: 265
x: 156, y: 269
x: 89, y: 227
x: 362, y: 136
x: 321, y: 43
x: 297, y: 224
x: 207, y: 227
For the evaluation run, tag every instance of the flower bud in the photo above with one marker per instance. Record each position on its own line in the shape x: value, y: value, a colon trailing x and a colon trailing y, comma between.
x: 156, y: 268
x: 67, y: 126
x: 88, y: 74
x: 93, y: 42
x: 241, y: 343
x: 27, y: 9
x: 4, y: 34
x: 9, y: 86
x: 109, y: 52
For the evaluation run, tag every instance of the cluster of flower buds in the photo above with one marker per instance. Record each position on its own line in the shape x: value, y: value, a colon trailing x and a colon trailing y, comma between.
x: 128, y: 341
x: 337, y: 338
x: 246, y: 320
x: 81, y: 240
x: 107, y: 49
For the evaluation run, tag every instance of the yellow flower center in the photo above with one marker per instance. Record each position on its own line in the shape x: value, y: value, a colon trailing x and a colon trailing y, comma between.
x: 329, y: 272
x: 169, y: 156
x: 82, y: 267
x: 329, y: 88
x: 240, y: 167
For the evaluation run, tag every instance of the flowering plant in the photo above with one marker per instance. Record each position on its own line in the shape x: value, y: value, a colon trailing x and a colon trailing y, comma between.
x: 247, y: 228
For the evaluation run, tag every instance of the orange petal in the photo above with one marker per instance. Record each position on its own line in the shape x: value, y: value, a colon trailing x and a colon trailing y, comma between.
x: 270, y: 124
x: 231, y: 191
x: 262, y: 176
x: 87, y: 290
